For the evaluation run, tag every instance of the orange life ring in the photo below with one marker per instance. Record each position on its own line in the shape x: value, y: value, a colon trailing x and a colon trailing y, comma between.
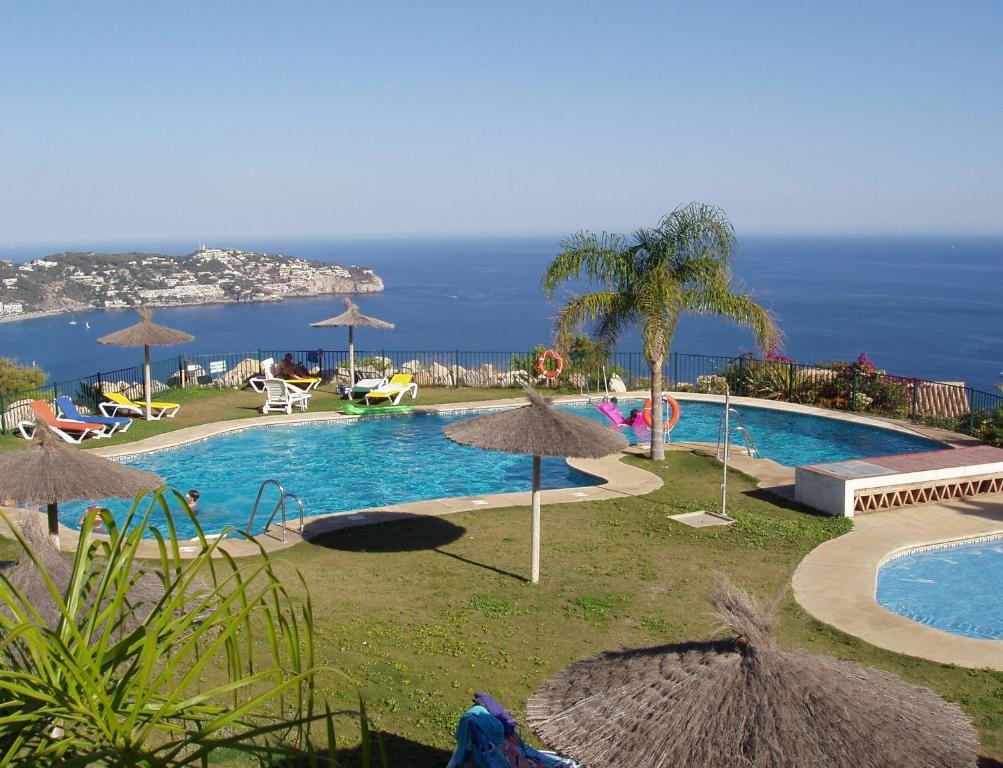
x: 550, y: 373
x: 673, y: 406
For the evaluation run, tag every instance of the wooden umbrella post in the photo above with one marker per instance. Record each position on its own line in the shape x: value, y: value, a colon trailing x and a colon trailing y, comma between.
x: 535, y: 563
x: 146, y: 382
x: 53, y: 516
x: 351, y: 356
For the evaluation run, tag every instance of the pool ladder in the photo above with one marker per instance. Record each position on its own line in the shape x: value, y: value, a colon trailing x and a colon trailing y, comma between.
x: 280, y: 507
x: 731, y: 421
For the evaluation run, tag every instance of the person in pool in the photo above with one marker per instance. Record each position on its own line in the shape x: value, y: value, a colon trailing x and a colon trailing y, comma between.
x: 192, y: 497
x: 98, y: 522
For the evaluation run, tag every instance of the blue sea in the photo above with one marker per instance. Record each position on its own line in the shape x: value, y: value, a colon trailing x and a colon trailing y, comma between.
x: 930, y: 307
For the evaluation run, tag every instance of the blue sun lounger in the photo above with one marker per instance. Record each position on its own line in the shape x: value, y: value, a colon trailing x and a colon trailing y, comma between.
x: 111, y: 424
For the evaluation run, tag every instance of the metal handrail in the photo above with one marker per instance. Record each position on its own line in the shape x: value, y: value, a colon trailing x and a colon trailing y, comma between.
x: 740, y: 429
x: 280, y: 506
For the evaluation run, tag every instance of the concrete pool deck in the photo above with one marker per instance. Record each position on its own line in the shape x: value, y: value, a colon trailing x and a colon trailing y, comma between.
x: 837, y: 582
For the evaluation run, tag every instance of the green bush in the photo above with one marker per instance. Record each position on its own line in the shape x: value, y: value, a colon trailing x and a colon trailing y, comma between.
x: 153, y: 663
x: 19, y: 378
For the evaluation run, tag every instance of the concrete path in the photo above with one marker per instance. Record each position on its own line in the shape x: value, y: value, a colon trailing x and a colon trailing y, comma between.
x: 837, y: 582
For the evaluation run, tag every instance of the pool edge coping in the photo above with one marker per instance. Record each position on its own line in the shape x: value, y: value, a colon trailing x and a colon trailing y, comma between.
x: 836, y: 583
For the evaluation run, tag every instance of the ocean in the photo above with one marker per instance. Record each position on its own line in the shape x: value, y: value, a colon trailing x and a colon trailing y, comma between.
x: 930, y: 307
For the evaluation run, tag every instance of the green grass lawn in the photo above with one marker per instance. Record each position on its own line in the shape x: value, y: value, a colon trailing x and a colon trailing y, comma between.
x: 422, y: 613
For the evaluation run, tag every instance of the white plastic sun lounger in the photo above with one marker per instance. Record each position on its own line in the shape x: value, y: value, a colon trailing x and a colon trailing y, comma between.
x: 282, y: 396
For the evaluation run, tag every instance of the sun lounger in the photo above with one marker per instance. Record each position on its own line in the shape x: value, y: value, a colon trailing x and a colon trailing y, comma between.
x: 394, y: 390
x: 281, y: 395
x: 110, y: 424
x: 118, y: 403
x: 257, y: 383
x: 70, y: 431
x: 365, y: 386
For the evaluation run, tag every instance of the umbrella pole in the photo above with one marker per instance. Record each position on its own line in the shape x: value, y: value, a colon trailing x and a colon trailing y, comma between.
x: 146, y: 380
x: 535, y: 564
x: 53, y: 515
x: 351, y: 356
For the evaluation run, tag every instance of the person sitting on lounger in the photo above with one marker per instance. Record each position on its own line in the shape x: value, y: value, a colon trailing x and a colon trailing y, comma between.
x: 286, y: 368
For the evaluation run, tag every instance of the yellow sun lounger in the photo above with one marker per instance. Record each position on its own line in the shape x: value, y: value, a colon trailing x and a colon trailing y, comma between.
x: 118, y: 403
x: 394, y: 391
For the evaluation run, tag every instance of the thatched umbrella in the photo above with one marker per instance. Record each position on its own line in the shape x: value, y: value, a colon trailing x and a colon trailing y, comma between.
x: 745, y: 703
x: 145, y: 334
x: 145, y: 591
x: 542, y: 431
x: 352, y: 318
x: 50, y: 471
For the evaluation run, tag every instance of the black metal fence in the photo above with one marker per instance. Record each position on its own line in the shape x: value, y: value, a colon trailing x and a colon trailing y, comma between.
x: 856, y: 386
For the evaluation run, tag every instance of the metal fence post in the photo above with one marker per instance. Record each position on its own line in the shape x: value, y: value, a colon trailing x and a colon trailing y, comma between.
x: 915, y: 399
x: 971, y: 411
x: 675, y: 369
x: 456, y: 368
x: 3, y: 415
x: 853, y: 389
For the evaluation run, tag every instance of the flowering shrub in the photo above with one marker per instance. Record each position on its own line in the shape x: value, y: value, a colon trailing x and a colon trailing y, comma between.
x: 712, y: 385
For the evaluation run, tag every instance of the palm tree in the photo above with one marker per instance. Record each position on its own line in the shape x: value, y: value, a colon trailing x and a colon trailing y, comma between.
x: 681, y: 266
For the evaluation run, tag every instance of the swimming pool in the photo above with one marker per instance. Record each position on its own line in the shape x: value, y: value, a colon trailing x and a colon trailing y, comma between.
x: 335, y: 466
x: 954, y: 588
x: 789, y: 438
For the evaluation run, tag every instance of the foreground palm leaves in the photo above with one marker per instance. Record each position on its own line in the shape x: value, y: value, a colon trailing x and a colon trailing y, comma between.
x: 216, y: 653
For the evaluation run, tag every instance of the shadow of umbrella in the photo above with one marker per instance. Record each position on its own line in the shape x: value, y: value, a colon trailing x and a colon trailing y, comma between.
x: 412, y: 534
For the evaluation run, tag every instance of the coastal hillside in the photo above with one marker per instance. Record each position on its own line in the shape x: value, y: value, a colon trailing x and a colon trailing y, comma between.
x: 77, y: 281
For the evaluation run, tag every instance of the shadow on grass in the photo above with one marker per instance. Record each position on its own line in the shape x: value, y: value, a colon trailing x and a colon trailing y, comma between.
x: 409, y: 535
x: 491, y: 568
x: 400, y: 752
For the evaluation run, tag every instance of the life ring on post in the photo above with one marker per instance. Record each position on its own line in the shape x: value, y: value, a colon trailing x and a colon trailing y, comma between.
x: 550, y: 373
x: 673, y: 417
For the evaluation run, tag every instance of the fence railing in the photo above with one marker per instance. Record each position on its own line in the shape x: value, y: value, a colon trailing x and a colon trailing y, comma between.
x: 843, y: 386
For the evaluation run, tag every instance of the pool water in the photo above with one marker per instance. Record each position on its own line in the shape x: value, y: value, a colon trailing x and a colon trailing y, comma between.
x: 337, y: 466
x: 956, y: 588
x: 788, y: 438
x: 333, y: 467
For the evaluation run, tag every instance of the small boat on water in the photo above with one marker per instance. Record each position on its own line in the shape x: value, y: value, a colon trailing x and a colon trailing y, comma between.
x: 73, y: 320
x: 87, y: 325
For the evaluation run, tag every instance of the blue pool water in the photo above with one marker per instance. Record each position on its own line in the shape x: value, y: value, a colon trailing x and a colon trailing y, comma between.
x: 956, y: 589
x: 792, y: 439
x: 338, y: 466
x: 334, y: 467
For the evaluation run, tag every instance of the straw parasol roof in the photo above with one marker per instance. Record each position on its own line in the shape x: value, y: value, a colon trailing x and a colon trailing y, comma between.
x: 145, y: 334
x: 49, y: 471
x: 744, y: 702
x: 352, y: 318
x: 539, y: 429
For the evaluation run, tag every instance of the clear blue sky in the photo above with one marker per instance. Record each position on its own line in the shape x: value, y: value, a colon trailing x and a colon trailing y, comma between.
x: 208, y: 119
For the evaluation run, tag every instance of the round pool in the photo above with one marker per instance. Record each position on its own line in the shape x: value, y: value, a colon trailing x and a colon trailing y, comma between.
x: 335, y: 466
x: 954, y: 588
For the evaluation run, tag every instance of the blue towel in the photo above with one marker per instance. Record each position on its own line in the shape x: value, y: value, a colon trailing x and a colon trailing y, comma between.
x: 481, y: 743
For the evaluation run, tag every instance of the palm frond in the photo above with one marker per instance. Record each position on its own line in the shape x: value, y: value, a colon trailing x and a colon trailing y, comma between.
x: 599, y: 258
x: 738, y: 307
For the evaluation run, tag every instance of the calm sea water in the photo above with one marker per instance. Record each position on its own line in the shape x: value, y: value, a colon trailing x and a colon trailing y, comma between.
x: 929, y: 307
